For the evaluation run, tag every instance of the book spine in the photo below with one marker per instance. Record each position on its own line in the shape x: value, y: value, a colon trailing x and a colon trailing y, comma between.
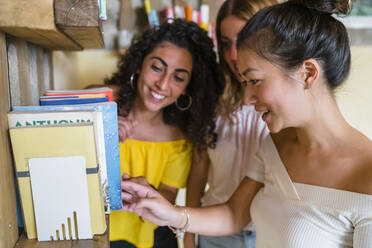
x: 73, y: 101
x: 110, y: 123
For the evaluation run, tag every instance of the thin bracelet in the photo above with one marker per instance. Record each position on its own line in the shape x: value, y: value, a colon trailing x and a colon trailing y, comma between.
x: 180, y: 232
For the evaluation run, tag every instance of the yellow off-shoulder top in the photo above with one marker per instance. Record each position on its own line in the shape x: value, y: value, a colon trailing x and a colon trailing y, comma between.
x: 160, y: 162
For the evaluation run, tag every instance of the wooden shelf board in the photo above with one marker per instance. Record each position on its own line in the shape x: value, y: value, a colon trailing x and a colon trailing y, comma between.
x: 80, y: 21
x: 51, y: 39
x: 98, y: 241
x: 56, y: 25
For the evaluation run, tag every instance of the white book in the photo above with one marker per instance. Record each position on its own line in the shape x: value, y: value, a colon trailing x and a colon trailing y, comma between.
x: 76, y: 117
x: 60, y: 196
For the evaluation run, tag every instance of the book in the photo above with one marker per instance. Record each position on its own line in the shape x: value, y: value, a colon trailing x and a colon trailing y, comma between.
x: 102, y: 10
x: 69, y: 100
x: 152, y: 15
x: 110, y: 128
x: 43, y: 118
x: 188, y: 13
x: 57, y: 141
x: 62, y: 208
x: 18, y: 202
x: 73, y: 96
x: 204, y: 16
x: 93, y: 91
x: 179, y: 12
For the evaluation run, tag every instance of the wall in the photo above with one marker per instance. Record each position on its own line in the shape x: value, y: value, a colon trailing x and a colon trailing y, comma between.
x: 76, y: 70
x: 354, y: 98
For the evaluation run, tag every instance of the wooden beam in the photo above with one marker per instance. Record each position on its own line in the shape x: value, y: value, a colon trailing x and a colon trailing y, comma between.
x: 33, y: 20
x: 8, y: 214
x: 79, y: 19
x: 19, y: 72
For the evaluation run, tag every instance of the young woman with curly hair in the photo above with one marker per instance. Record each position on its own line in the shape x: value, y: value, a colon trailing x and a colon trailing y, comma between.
x: 170, y: 83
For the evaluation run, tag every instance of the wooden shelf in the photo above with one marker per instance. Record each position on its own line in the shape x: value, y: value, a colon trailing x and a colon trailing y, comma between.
x: 80, y: 21
x: 56, y: 25
x: 97, y: 241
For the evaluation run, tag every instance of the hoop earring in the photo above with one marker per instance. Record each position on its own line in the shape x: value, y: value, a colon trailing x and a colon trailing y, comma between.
x: 131, y: 79
x: 188, y: 105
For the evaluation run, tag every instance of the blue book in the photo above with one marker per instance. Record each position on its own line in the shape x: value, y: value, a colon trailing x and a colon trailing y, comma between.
x: 70, y: 100
x: 58, y: 97
x: 110, y: 127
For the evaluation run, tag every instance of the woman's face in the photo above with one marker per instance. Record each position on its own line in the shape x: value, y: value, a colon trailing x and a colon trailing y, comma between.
x: 280, y: 97
x: 230, y: 27
x: 164, y: 76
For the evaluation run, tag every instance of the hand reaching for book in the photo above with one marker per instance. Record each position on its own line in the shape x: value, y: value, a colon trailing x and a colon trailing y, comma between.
x: 140, y: 198
x: 126, y: 127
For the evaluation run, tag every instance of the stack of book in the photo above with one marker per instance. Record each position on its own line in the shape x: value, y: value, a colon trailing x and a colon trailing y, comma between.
x: 51, y: 143
x: 67, y: 97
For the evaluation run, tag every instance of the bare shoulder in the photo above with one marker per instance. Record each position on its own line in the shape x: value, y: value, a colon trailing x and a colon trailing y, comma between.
x: 173, y: 133
x: 159, y: 132
x: 365, y: 176
x: 364, y: 166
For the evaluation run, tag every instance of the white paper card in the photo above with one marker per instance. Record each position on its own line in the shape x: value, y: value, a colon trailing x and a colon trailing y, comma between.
x: 60, y: 196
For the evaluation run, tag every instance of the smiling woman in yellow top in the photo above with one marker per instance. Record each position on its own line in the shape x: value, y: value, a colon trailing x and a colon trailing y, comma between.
x: 169, y: 87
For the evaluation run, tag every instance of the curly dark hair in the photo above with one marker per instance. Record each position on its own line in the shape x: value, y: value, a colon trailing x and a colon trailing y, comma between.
x: 206, y: 84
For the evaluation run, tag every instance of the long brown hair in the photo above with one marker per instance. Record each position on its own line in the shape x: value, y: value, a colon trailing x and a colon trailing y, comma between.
x: 231, y: 99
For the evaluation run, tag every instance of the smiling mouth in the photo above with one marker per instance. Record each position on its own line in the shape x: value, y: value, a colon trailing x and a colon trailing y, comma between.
x: 265, y: 112
x: 156, y: 95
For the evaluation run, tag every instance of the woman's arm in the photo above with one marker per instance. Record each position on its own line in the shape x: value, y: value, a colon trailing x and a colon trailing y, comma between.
x: 195, y: 187
x: 168, y: 192
x: 221, y: 219
x: 197, y: 178
x: 228, y: 218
